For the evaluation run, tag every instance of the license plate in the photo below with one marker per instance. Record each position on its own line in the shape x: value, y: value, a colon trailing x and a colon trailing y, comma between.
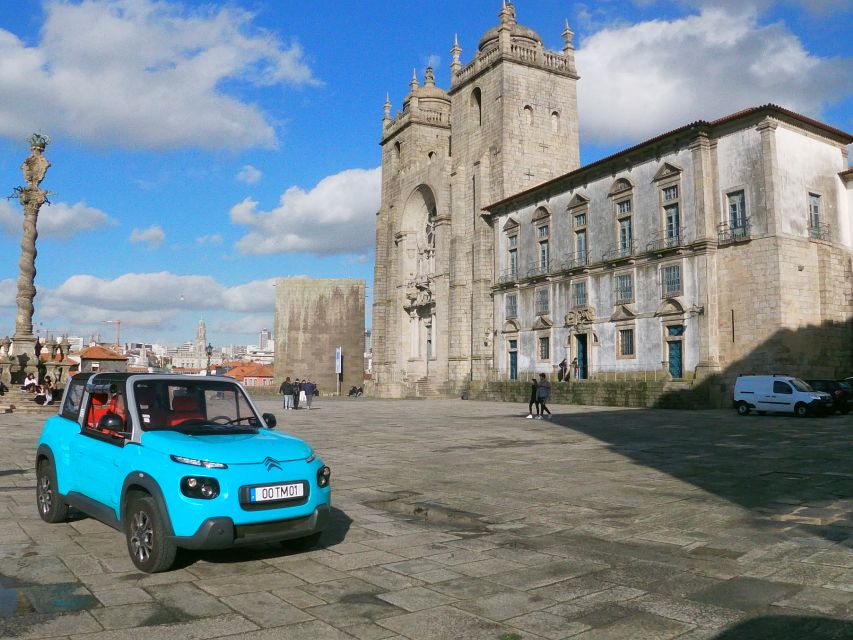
x: 287, y: 491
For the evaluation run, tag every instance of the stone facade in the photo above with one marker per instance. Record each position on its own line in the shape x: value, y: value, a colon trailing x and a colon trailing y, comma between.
x: 690, y: 255
x: 509, y: 121
x: 719, y: 248
x: 312, y: 318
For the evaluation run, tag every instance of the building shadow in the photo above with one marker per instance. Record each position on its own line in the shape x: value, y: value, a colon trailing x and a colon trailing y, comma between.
x: 779, y: 627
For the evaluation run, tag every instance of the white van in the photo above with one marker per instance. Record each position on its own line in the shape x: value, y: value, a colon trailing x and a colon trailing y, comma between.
x: 784, y: 394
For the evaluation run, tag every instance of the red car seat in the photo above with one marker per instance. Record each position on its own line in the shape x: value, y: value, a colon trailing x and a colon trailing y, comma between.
x: 184, y: 408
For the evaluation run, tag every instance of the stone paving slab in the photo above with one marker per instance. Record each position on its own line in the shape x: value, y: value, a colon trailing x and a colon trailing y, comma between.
x: 458, y: 519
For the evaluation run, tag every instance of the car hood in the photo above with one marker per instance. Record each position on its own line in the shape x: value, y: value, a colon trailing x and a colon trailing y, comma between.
x: 241, y: 448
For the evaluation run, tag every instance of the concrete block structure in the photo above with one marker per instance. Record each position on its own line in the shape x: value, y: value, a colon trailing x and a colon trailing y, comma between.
x: 717, y: 248
x: 312, y: 318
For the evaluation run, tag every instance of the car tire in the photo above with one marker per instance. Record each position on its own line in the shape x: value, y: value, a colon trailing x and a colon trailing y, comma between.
x: 742, y: 408
x: 303, y: 544
x: 150, y: 548
x: 51, y: 507
x: 801, y: 410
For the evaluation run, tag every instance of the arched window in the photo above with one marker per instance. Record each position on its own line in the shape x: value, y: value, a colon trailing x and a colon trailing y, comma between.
x: 398, y: 150
x: 555, y: 121
x: 477, y: 106
x: 528, y: 114
x: 431, y: 156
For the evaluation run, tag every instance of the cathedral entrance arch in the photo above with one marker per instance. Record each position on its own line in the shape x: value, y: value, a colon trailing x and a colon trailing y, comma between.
x: 416, y: 242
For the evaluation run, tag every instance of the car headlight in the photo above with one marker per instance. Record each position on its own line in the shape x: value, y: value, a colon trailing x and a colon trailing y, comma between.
x: 200, y: 487
x: 323, y: 475
x: 207, y: 464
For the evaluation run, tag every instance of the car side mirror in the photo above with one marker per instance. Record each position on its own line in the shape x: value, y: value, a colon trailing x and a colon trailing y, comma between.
x: 270, y: 420
x: 111, y: 422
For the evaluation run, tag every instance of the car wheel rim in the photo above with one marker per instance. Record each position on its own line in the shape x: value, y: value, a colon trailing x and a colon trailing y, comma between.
x: 141, y: 536
x: 44, y: 493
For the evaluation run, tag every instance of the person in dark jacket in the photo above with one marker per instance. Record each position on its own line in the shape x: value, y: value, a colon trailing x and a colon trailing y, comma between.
x: 534, y: 400
x: 286, y: 389
x: 297, y: 387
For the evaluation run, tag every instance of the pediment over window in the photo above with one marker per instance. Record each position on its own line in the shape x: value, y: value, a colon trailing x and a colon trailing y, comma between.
x: 542, y: 322
x: 622, y: 312
x: 511, y: 224
x: 622, y: 185
x: 670, y: 307
x: 510, y: 326
x: 578, y: 200
x: 667, y: 171
x: 541, y: 213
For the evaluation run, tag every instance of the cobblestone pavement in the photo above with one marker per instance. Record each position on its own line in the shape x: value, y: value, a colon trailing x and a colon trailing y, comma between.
x: 462, y: 519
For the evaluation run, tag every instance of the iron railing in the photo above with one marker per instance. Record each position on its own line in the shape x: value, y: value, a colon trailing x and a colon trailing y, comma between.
x: 664, y: 241
x: 819, y: 232
x: 575, y: 261
x: 618, y: 252
x: 538, y: 269
x: 728, y: 233
x: 508, y: 276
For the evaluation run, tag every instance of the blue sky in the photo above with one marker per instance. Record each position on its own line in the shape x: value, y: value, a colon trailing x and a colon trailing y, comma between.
x: 202, y: 150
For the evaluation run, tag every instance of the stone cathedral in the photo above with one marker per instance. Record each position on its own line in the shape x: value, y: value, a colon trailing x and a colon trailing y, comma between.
x: 717, y: 248
x: 509, y: 121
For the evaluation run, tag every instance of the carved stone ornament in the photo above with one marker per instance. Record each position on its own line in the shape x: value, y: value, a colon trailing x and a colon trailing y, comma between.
x: 418, y: 293
x: 584, y: 315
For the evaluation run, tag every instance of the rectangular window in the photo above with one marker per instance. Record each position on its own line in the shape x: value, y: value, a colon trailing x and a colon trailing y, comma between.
x: 513, y: 263
x: 673, y: 222
x: 544, y: 348
x: 624, y: 288
x: 671, y: 280
x: 579, y: 294
x: 626, y: 235
x: 580, y: 220
x: 542, y: 301
x: 670, y: 193
x: 511, y: 305
x: 737, y: 209
x: 513, y: 241
x: 580, y: 243
x: 814, y: 211
x: 626, y: 342
x: 542, y: 231
x: 624, y: 207
x: 543, y: 256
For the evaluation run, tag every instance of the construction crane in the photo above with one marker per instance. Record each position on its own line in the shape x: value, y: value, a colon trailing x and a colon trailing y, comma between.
x: 117, y: 323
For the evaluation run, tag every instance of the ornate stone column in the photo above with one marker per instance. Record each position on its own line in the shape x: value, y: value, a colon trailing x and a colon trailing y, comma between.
x: 32, y: 198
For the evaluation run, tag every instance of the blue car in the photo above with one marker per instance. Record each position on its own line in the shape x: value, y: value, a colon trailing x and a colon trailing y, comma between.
x: 178, y: 461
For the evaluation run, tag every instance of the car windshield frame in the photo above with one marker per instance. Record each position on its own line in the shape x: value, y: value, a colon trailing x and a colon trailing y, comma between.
x: 800, y: 385
x: 194, y: 406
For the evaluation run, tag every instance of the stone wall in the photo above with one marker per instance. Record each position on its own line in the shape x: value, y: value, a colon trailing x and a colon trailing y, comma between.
x: 312, y: 317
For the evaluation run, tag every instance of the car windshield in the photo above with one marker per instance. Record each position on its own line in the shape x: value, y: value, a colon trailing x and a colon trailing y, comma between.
x: 799, y: 385
x: 195, y: 407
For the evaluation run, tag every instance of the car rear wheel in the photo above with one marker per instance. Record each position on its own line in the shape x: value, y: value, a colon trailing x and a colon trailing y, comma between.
x: 742, y: 408
x: 801, y: 410
x: 51, y: 506
x: 150, y: 548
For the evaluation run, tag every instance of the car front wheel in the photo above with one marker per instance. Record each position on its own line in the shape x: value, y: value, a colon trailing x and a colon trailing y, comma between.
x: 150, y: 548
x: 51, y: 506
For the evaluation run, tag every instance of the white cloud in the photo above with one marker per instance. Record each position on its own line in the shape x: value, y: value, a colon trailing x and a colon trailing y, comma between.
x: 149, y: 73
x: 647, y: 78
x: 249, y: 174
x: 336, y: 216
x: 153, y: 236
x: 214, y: 239
x: 57, y: 220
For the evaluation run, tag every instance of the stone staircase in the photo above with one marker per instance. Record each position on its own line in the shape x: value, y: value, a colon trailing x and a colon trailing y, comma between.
x: 17, y: 401
x: 425, y: 388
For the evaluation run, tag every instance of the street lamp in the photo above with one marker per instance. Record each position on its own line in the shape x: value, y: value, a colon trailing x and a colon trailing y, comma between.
x: 209, y: 351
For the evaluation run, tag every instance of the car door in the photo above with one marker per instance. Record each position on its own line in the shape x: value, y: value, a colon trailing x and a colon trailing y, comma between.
x: 98, y: 455
x: 780, y: 398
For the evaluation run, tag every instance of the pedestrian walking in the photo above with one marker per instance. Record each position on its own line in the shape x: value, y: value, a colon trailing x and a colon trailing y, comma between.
x: 297, y: 392
x: 286, y: 390
x: 309, y: 388
x: 543, y: 394
x: 303, y: 397
x: 561, y: 375
x: 534, y: 399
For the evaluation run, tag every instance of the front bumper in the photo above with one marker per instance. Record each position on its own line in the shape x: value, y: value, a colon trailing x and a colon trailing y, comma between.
x: 222, y: 533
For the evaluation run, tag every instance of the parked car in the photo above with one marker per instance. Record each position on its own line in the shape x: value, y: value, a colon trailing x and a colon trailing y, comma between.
x: 840, y: 392
x: 778, y: 393
x: 178, y: 461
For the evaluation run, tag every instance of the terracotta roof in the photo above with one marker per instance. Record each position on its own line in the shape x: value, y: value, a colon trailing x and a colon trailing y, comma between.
x: 846, y: 175
x: 99, y: 353
x: 699, y: 125
x: 252, y: 370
